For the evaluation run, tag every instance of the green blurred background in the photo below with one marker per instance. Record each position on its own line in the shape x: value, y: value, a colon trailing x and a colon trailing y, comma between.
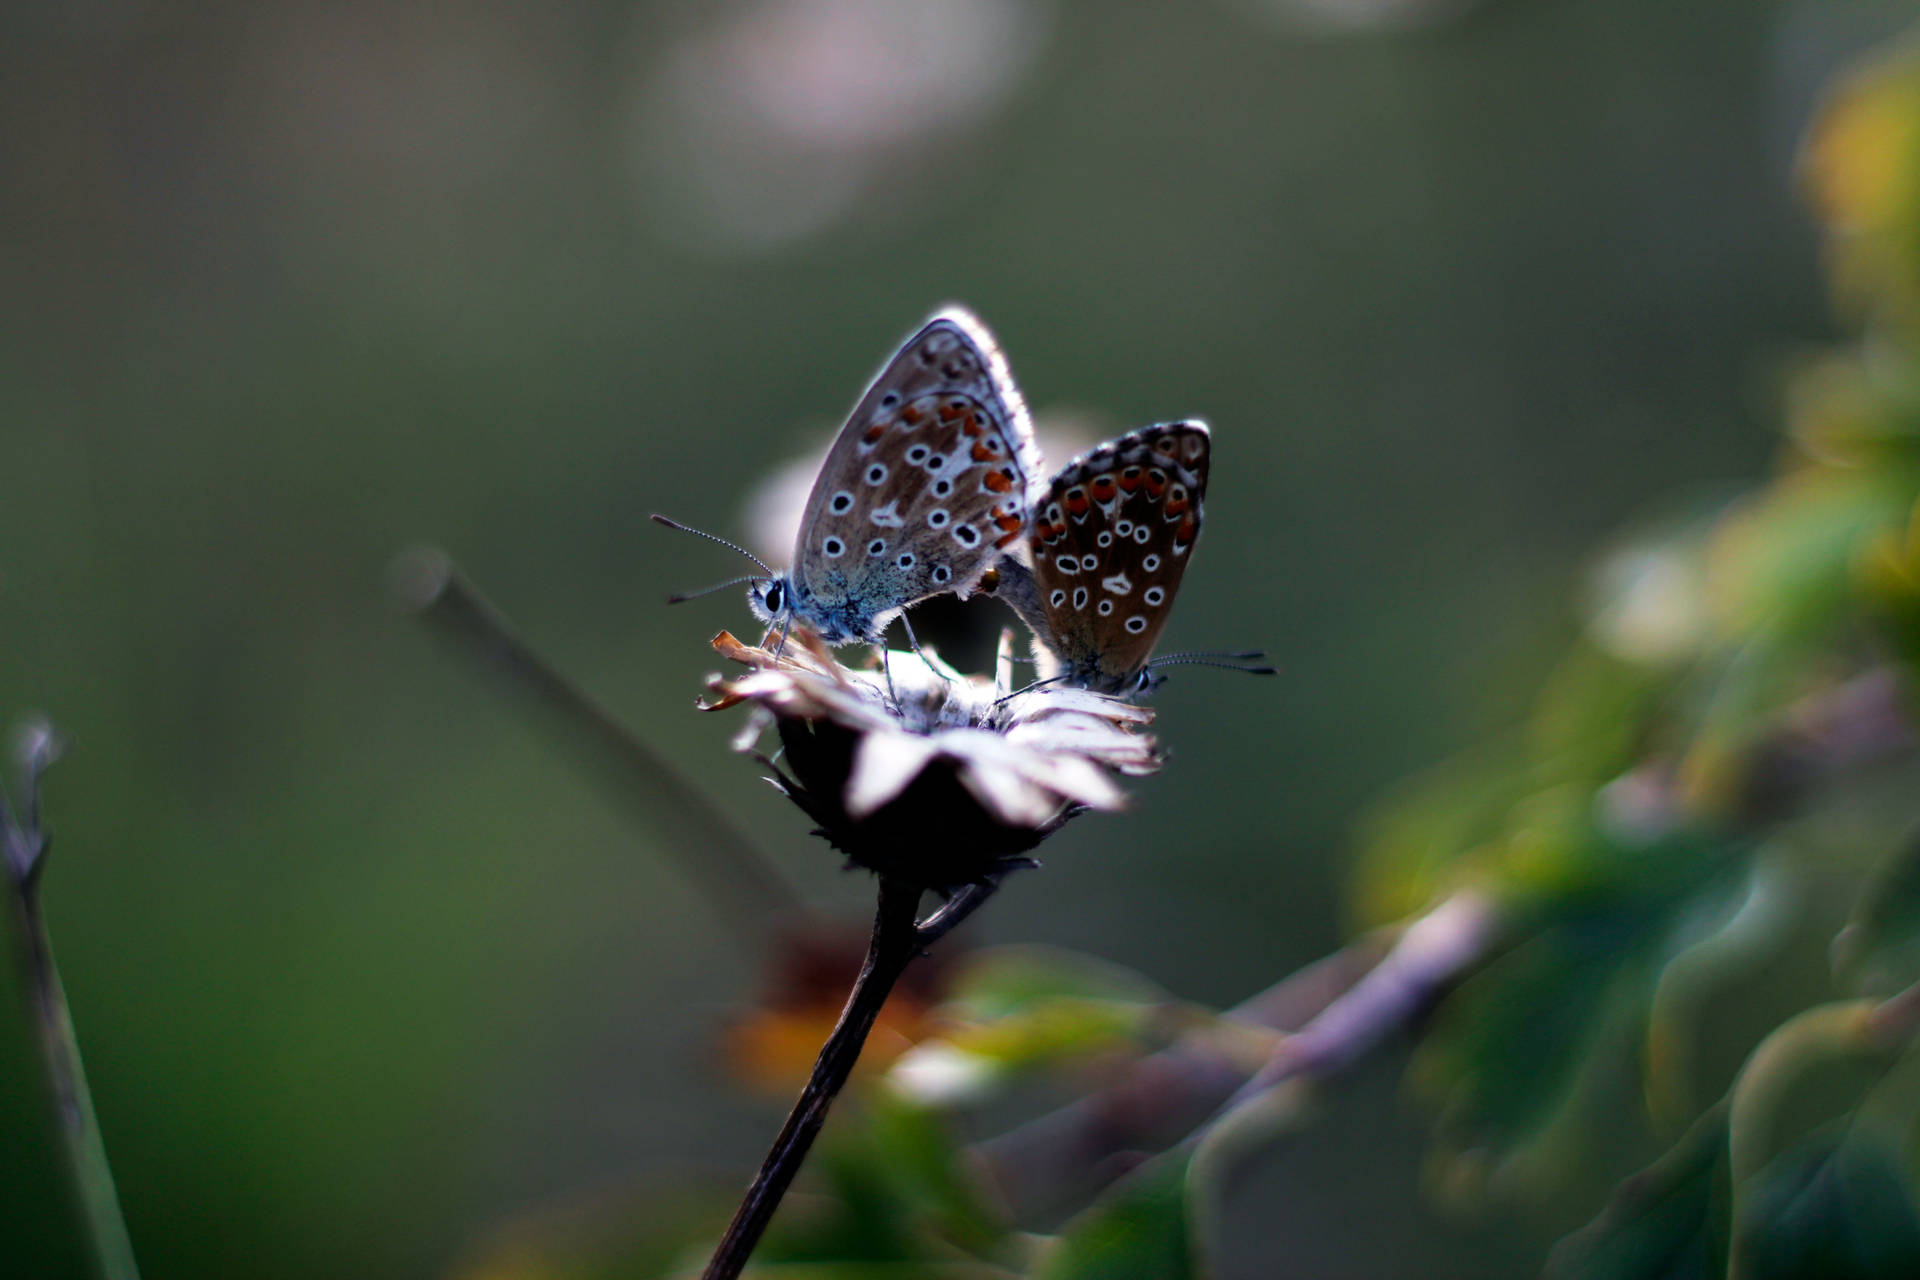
x: 362, y: 968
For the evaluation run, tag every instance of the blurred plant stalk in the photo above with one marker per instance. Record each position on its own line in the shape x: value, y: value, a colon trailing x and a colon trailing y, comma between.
x: 85, y: 1154
x: 733, y: 875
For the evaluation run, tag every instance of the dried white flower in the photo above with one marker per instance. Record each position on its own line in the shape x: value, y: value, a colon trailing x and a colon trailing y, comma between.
x: 924, y: 773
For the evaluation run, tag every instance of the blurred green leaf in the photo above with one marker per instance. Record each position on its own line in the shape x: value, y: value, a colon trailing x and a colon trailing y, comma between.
x: 1590, y: 722
x: 1837, y: 1207
x: 1137, y: 1231
x: 916, y: 1147
x: 1661, y: 1224
x: 1052, y: 1031
x: 1879, y: 949
x: 1425, y: 833
x: 1507, y: 1047
x: 885, y: 1184
x: 1784, y: 563
x: 1008, y: 980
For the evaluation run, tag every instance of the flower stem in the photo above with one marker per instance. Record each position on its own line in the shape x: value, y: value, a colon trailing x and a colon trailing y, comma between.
x: 895, y: 942
x: 84, y: 1152
x: 729, y: 870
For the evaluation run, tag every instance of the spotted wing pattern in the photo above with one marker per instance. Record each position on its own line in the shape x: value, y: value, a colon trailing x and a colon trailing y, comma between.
x: 924, y: 489
x: 1110, y: 543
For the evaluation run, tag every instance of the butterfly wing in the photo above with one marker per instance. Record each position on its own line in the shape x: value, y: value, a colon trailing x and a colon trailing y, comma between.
x: 923, y: 489
x: 1110, y: 543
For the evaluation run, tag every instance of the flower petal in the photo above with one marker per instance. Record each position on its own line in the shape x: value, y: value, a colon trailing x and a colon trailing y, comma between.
x: 885, y: 763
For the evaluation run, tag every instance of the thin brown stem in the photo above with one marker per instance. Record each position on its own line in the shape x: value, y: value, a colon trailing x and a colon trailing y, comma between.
x: 896, y: 940
x: 729, y: 870
x: 83, y: 1152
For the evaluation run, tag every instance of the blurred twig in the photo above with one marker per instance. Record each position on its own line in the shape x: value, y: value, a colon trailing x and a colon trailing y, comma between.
x: 1336, y: 1010
x: 733, y: 874
x: 85, y: 1154
x: 1345, y: 1005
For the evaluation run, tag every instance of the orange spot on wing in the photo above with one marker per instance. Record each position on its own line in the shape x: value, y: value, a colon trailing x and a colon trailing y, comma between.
x: 972, y: 426
x: 1103, y: 489
x: 1076, y: 502
x: 1007, y: 540
x: 1130, y: 479
x: 998, y: 481
x: 948, y: 412
x: 874, y: 432
x: 913, y: 414
x: 1156, y: 483
x: 982, y: 454
x: 1187, y: 529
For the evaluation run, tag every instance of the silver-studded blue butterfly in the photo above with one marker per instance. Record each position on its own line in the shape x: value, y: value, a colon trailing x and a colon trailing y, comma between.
x: 924, y: 488
x: 1110, y: 542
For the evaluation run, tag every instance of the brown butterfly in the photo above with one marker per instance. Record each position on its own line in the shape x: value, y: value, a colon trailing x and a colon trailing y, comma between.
x: 1109, y: 543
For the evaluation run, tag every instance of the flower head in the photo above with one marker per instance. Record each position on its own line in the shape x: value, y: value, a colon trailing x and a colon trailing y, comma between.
x: 924, y: 774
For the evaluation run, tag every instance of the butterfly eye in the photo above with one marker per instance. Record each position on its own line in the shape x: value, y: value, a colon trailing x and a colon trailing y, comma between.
x: 773, y: 598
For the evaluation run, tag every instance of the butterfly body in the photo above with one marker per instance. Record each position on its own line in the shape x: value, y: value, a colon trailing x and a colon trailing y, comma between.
x: 1110, y: 542
x: 925, y: 487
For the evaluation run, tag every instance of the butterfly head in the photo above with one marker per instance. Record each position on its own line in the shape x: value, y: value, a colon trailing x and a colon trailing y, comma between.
x: 771, y: 599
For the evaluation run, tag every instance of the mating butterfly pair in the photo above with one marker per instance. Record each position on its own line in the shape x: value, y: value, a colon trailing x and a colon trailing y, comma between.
x: 932, y: 483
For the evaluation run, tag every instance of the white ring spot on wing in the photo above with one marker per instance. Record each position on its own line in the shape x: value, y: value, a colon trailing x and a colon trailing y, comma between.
x: 1119, y: 585
x: 1136, y: 624
x: 888, y: 517
x: 1154, y: 595
x: 1150, y: 563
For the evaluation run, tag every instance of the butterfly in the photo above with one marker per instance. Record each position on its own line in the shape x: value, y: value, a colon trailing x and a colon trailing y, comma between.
x: 922, y: 491
x: 1111, y: 539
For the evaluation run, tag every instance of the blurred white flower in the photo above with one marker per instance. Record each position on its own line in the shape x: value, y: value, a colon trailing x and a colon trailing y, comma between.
x: 1650, y: 603
x: 776, y: 120
x: 1357, y: 15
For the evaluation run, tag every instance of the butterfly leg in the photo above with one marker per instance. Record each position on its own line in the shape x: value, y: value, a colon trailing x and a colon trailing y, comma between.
x: 1037, y: 684
x: 886, y: 669
x: 914, y: 642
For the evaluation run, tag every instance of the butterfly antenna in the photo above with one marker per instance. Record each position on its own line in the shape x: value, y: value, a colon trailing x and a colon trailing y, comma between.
x: 1238, y: 655
x: 1196, y: 660
x: 680, y: 596
x: 731, y: 546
